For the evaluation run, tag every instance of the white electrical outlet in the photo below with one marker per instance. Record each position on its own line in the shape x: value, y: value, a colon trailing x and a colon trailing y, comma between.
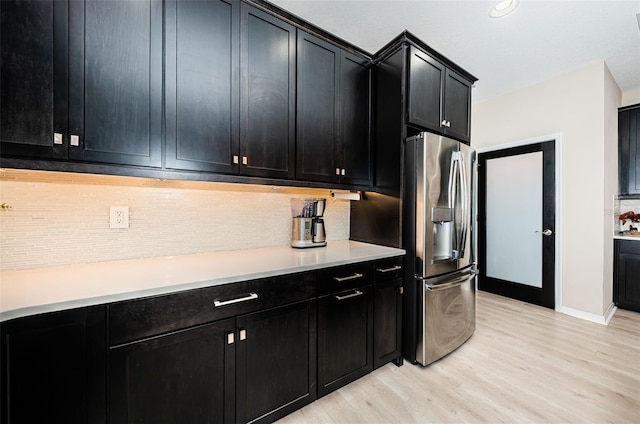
x: 119, y: 217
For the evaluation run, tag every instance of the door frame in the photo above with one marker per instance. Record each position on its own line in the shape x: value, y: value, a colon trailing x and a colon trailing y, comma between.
x: 557, y: 139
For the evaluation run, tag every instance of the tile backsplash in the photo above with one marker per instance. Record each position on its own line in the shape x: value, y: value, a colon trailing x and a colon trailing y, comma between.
x: 62, y: 218
x: 622, y: 206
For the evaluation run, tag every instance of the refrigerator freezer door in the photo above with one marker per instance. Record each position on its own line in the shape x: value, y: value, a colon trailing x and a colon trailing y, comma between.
x: 448, y: 315
x: 443, y: 169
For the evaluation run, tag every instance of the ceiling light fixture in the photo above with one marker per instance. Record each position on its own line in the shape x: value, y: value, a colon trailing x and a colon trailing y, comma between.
x: 503, y: 8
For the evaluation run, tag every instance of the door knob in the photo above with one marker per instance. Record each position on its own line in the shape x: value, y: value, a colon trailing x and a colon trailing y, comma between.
x: 546, y: 232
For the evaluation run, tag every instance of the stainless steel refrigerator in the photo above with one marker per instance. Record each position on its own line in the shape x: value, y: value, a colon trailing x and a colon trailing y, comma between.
x: 438, y: 231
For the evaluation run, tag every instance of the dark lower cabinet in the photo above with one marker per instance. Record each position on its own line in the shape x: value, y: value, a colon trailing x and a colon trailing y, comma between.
x: 387, y: 312
x: 181, y: 377
x: 53, y: 368
x: 626, y: 285
x: 345, y: 337
x: 247, y: 352
x: 387, y: 334
x: 276, y: 362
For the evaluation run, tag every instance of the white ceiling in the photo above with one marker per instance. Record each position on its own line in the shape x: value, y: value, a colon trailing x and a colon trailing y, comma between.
x: 539, y: 40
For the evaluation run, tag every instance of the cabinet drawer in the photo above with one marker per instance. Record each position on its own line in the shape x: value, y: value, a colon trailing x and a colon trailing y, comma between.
x: 136, y: 319
x: 629, y: 246
x: 331, y: 280
x: 388, y: 269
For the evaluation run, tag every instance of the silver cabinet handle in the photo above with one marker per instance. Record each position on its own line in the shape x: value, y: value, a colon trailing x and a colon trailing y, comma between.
x: 251, y: 296
x: 75, y: 140
x: 245, y: 160
x: 393, y: 268
x: 443, y: 123
x: 57, y: 138
x: 236, y: 159
x: 547, y: 232
x: 348, y: 296
x: 348, y: 277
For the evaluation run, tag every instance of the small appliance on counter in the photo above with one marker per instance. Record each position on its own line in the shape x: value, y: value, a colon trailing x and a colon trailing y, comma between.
x: 308, y: 226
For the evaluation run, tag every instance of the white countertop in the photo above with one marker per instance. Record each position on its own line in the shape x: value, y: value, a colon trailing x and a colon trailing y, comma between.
x: 634, y: 238
x: 35, y: 291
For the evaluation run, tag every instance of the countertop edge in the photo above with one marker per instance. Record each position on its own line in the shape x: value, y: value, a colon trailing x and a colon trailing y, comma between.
x: 632, y: 238
x: 79, y: 302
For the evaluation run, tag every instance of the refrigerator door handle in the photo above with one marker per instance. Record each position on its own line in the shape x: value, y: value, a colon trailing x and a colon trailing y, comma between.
x: 457, y: 282
x: 465, y: 204
x: 453, y: 191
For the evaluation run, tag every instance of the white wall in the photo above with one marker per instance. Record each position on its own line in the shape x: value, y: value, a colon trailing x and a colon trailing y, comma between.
x: 573, y: 105
x: 63, y: 218
x: 630, y: 97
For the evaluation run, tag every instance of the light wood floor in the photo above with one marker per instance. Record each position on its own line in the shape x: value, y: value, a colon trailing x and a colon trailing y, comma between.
x: 524, y: 364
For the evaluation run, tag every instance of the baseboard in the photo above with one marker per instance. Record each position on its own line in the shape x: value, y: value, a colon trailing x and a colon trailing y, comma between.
x: 598, y: 319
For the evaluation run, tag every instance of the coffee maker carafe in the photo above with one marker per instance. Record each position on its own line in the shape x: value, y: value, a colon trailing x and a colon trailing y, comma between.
x: 308, y: 225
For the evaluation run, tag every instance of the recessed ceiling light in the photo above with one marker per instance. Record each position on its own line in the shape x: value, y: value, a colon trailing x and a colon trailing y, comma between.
x: 503, y: 8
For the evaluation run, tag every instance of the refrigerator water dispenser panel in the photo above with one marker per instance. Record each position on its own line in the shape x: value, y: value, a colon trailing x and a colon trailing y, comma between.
x: 443, y: 249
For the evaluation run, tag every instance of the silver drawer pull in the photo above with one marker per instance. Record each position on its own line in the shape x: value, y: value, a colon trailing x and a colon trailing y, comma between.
x: 347, y: 296
x: 251, y: 296
x: 348, y: 277
x: 393, y: 268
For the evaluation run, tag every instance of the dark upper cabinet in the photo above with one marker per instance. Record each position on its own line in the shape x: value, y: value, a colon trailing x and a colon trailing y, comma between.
x: 317, y: 109
x: 267, y: 95
x: 626, y: 287
x: 439, y: 99
x: 34, y: 78
x: 332, y: 113
x: 354, y: 120
x: 53, y: 368
x: 115, y: 82
x: 230, y: 89
x: 629, y: 150
x: 82, y: 81
x: 202, y: 85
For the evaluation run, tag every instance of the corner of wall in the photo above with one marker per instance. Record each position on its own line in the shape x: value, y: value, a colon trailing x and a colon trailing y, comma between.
x: 611, y: 101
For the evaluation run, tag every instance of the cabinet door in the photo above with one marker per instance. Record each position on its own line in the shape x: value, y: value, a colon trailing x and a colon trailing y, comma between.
x: 182, y: 377
x: 267, y: 95
x: 457, y: 106
x: 387, y: 321
x: 355, y: 146
x: 627, y: 275
x: 33, y: 78
x: 53, y: 368
x: 345, y: 345
x: 202, y: 85
x: 629, y: 151
x: 276, y: 362
x: 426, y: 90
x: 317, y: 97
x: 115, y: 89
